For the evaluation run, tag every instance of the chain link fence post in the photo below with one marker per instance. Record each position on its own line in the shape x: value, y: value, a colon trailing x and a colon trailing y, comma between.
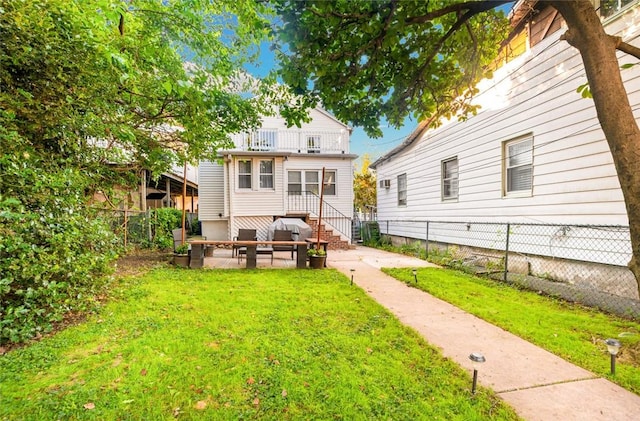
x: 506, y: 254
x: 426, y: 243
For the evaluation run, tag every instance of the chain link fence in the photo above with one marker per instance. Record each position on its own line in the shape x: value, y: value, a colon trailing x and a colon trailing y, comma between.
x: 148, y: 228
x: 586, y: 264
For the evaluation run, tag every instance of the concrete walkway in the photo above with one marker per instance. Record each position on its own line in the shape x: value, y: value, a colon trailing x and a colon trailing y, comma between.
x: 536, y: 383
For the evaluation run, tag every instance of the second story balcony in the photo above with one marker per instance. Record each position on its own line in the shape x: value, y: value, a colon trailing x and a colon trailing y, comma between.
x: 295, y: 141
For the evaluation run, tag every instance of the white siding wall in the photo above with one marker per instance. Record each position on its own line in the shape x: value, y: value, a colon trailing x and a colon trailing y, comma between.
x: 574, y: 179
x: 211, y: 191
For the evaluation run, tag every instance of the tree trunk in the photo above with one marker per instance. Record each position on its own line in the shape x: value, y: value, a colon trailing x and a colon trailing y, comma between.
x: 598, y: 50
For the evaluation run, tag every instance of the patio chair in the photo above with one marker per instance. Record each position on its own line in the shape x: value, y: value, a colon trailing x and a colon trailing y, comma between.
x: 177, y: 238
x: 283, y: 235
x: 243, y: 235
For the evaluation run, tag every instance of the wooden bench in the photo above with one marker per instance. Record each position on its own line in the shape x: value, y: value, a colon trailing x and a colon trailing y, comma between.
x: 198, y: 246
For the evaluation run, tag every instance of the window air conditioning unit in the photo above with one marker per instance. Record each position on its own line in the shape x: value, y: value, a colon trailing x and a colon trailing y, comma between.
x: 385, y: 184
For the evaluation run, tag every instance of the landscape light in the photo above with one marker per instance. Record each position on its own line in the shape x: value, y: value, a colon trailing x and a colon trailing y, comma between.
x: 477, y: 359
x: 613, y: 346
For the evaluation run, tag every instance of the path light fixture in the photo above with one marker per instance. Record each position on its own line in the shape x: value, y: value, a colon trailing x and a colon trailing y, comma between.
x: 476, y: 359
x: 613, y: 346
x: 415, y: 275
x: 352, y: 270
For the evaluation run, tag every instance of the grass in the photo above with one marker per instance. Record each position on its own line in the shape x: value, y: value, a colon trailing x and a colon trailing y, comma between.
x: 251, y: 344
x: 573, y: 332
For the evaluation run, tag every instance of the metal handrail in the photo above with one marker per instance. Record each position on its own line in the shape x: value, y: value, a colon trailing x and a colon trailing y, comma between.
x: 309, y: 202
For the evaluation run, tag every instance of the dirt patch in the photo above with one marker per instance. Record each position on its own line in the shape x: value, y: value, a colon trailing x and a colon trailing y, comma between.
x: 140, y: 261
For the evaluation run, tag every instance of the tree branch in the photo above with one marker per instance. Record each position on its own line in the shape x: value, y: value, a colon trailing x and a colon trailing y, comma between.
x: 629, y: 49
x: 473, y: 7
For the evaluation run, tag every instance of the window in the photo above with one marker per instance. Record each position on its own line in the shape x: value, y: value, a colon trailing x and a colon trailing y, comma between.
x: 330, y: 183
x: 311, y: 182
x: 294, y: 182
x: 518, y: 163
x: 244, y: 174
x: 313, y: 144
x: 611, y: 7
x: 402, y: 190
x: 266, y: 174
x: 450, y: 179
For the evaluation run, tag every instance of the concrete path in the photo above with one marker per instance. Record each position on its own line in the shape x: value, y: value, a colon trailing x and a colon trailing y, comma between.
x: 536, y: 383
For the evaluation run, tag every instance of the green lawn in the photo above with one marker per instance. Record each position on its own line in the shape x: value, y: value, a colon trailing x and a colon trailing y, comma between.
x: 573, y: 332
x: 239, y: 344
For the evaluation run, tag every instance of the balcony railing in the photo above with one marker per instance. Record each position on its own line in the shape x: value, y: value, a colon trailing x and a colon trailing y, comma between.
x: 291, y: 140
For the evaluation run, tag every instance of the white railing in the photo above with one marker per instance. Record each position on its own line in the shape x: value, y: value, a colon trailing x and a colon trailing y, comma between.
x: 291, y: 140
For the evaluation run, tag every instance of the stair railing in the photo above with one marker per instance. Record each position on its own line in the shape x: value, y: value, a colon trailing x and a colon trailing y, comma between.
x: 309, y: 202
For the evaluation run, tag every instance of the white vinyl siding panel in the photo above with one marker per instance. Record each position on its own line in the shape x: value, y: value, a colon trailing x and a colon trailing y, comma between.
x: 211, y: 198
x: 573, y: 175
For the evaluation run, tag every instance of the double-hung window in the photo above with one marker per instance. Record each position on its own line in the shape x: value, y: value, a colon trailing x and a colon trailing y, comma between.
x: 518, y: 166
x: 330, y: 183
x: 244, y: 174
x: 402, y: 190
x: 450, y: 179
x: 266, y: 174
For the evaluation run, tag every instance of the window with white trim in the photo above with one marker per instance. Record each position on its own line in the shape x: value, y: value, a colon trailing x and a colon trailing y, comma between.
x: 518, y: 166
x: 294, y: 182
x: 266, y: 173
x: 309, y: 181
x: 402, y: 190
x: 611, y: 7
x: 450, y: 179
x: 329, y: 183
x: 244, y: 173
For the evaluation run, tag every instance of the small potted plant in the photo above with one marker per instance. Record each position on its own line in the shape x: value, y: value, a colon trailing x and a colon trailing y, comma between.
x: 317, y: 258
x: 181, y: 256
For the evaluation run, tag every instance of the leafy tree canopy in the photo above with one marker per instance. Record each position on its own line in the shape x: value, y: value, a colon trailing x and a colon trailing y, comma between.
x: 76, y: 74
x: 366, y: 60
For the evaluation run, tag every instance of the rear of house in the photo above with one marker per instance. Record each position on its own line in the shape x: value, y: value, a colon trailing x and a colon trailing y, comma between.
x: 277, y: 171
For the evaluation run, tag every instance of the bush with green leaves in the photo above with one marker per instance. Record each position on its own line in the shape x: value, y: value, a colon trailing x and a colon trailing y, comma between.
x: 164, y: 221
x: 55, y: 254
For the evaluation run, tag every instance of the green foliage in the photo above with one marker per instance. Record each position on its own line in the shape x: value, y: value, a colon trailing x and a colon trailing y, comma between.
x: 316, y: 252
x: 369, y: 60
x: 231, y: 345
x: 165, y: 220
x: 182, y: 249
x: 54, y: 256
x: 91, y: 92
x: 364, y: 187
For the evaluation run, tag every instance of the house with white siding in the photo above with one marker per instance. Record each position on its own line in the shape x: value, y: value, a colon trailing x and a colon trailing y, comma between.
x: 277, y: 171
x: 533, y: 154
